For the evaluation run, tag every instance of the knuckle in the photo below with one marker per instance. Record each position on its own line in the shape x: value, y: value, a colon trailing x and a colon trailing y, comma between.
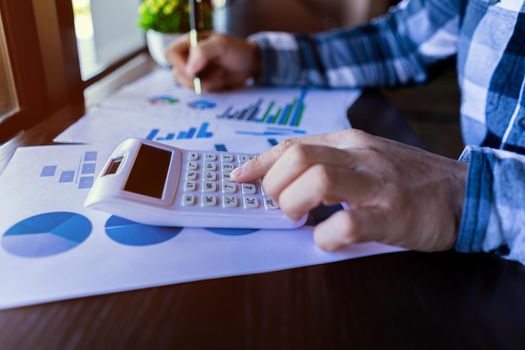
x: 257, y: 162
x: 324, y: 244
x: 324, y: 177
x: 289, y: 142
x: 283, y: 146
x: 220, y: 41
x: 300, y: 153
x: 350, y: 231
x: 220, y: 38
x: 357, y: 133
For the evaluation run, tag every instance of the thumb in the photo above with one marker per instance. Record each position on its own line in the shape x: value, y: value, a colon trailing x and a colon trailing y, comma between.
x: 351, y: 226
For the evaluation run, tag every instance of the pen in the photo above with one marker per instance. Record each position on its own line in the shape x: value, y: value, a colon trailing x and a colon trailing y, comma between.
x: 195, y: 26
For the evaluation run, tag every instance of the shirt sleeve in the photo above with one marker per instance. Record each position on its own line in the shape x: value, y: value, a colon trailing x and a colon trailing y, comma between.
x: 391, y: 50
x: 493, y: 218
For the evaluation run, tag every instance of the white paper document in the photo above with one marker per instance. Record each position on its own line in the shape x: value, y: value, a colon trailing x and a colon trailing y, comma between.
x: 156, y: 109
x: 51, y: 248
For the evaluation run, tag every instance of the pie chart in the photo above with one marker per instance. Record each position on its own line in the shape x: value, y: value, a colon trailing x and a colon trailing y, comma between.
x: 46, y: 234
x: 132, y: 233
x: 232, y: 231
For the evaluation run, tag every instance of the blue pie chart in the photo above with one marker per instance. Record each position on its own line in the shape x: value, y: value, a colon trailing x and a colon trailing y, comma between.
x: 46, y: 234
x: 232, y: 231
x: 132, y: 233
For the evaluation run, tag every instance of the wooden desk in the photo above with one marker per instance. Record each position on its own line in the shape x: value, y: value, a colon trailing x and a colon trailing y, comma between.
x: 403, y: 300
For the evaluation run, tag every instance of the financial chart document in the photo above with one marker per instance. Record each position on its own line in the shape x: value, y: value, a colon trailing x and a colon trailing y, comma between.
x: 52, y: 248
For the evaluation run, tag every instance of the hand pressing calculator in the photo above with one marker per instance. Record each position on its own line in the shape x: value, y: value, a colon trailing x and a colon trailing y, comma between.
x: 155, y: 184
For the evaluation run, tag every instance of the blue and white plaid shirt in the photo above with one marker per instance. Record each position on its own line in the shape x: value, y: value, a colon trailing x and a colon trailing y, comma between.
x: 488, y: 38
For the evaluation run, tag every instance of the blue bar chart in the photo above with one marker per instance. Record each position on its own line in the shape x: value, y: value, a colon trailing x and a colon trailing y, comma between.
x: 221, y: 148
x: 200, y: 132
x: 289, y: 114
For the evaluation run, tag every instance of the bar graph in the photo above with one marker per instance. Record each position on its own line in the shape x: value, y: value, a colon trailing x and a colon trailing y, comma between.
x: 200, y: 132
x: 273, y: 142
x: 290, y: 114
x: 221, y: 148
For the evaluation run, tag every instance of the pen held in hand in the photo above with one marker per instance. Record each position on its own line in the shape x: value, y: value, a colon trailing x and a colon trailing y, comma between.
x: 195, y: 27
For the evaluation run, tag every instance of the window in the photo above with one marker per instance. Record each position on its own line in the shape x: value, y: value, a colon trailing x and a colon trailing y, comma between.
x: 38, y: 65
x: 52, y: 50
x: 106, y: 32
x: 8, y: 102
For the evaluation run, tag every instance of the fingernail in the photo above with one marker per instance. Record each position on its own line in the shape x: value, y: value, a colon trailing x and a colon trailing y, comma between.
x: 236, y: 173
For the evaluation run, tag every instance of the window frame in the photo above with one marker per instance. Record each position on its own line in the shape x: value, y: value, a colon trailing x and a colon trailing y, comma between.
x: 25, y: 63
x: 35, y: 69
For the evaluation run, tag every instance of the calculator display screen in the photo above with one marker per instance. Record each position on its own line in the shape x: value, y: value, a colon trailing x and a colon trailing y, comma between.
x: 149, y: 172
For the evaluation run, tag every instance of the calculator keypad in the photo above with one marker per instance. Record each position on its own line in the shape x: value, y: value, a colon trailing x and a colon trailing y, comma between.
x: 207, y: 183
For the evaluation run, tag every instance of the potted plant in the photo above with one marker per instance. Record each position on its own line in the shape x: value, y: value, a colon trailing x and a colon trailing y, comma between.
x: 166, y: 20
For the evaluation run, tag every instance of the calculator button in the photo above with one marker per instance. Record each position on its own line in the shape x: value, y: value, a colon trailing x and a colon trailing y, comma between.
x: 269, y: 204
x: 210, y: 157
x: 226, y: 177
x: 210, y: 166
x: 190, y: 186
x: 188, y: 200
x: 243, y: 158
x: 251, y: 202
x: 230, y: 202
x: 227, y: 158
x: 194, y: 156
x: 191, y: 175
x: 228, y: 167
x: 229, y: 187
x: 209, y: 200
x: 193, y: 166
x: 248, y: 189
x: 210, y: 176
x: 209, y: 187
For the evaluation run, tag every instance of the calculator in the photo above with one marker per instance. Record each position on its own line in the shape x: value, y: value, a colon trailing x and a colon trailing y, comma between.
x: 156, y: 184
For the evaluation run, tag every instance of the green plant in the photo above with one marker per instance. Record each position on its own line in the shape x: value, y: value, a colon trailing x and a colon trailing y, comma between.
x: 169, y: 16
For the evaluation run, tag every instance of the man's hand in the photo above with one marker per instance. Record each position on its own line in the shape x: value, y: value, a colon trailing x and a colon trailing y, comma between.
x: 398, y: 194
x: 222, y: 62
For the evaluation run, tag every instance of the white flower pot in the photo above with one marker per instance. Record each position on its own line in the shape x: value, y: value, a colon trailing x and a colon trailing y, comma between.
x: 158, y: 43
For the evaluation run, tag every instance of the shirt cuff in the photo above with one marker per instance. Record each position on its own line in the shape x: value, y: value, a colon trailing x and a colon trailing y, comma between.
x: 478, y: 201
x: 280, y: 59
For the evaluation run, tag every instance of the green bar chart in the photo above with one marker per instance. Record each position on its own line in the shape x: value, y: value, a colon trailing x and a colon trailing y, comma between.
x: 269, y: 112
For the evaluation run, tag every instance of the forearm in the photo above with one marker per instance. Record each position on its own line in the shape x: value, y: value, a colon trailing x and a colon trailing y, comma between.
x: 494, y: 211
x: 392, y: 50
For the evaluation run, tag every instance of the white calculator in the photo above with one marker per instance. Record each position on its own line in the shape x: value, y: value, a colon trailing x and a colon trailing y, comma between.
x: 156, y: 184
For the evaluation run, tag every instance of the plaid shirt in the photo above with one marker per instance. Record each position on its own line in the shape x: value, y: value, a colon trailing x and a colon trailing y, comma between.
x: 488, y: 39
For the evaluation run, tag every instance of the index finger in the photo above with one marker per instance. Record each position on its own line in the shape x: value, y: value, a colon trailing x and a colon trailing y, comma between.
x: 256, y: 168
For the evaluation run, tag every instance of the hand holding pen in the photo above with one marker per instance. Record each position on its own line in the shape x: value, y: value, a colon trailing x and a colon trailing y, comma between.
x: 220, y: 62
